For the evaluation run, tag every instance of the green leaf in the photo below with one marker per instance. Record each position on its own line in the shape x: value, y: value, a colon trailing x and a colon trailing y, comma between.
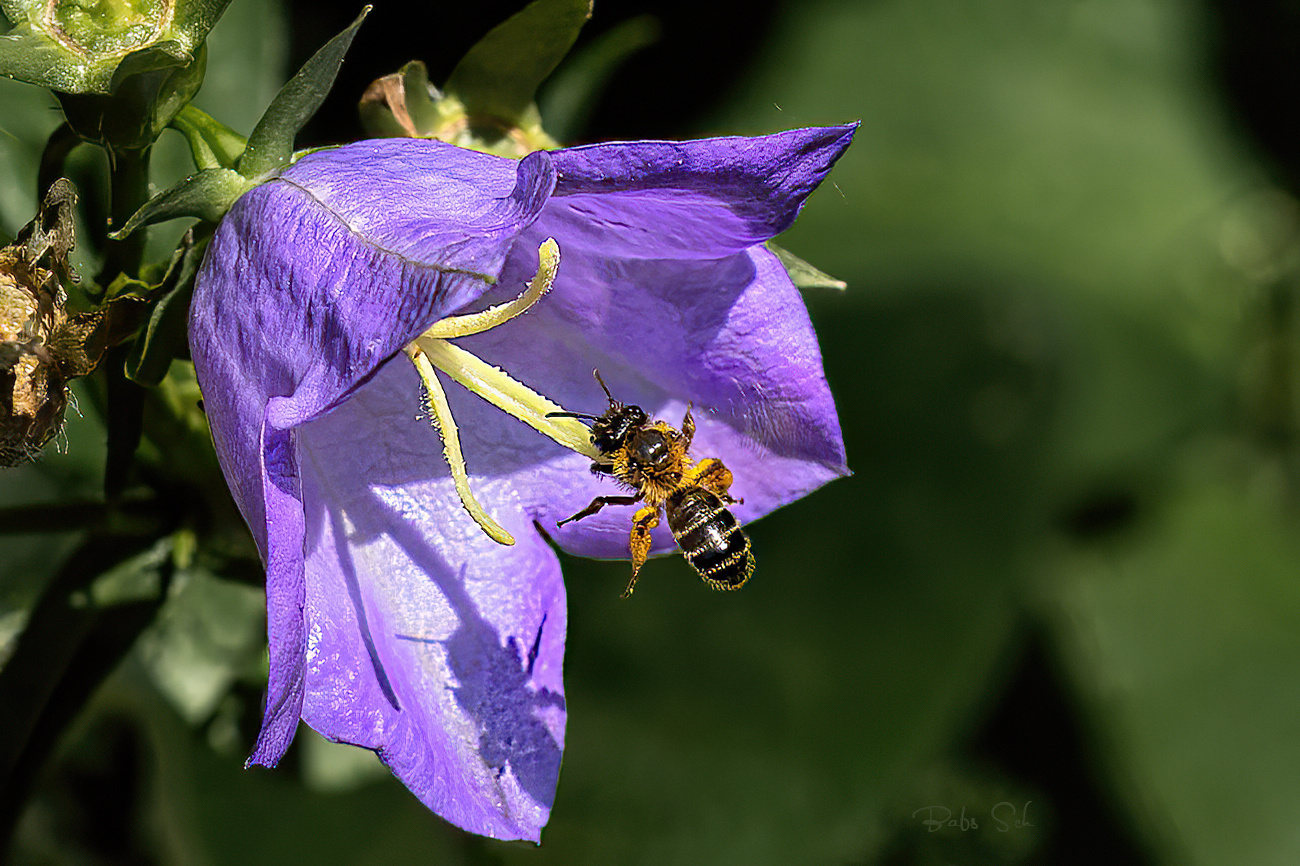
x: 270, y: 147
x: 205, y: 635
x: 802, y: 274
x: 163, y: 338
x: 499, y: 76
x: 98, y: 49
x: 573, y: 91
x: 206, y: 195
x: 77, y: 633
x: 1183, y: 643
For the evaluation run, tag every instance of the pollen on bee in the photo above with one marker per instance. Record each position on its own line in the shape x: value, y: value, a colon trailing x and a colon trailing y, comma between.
x: 652, y: 459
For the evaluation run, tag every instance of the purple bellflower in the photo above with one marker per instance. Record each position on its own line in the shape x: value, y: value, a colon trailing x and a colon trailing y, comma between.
x: 402, y: 615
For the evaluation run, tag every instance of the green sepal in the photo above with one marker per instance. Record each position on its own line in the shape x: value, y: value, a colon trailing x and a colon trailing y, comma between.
x: 804, y: 275
x: 402, y: 105
x: 163, y: 337
x: 270, y: 147
x: 110, y: 50
x: 498, y: 78
x: 206, y: 195
x: 212, y: 143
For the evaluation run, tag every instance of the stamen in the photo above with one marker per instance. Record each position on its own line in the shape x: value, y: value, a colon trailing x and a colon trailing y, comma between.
x: 432, y: 349
x: 435, y: 403
x: 548, y: 262
x: 508, y: 395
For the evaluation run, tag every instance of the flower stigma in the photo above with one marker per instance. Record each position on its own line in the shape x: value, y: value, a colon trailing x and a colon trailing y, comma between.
x: 433, y: 349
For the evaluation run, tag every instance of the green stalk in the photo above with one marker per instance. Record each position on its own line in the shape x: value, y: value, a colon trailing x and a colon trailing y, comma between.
x: 54, y: 158
x: 129, y: 186
x: 129, y: 183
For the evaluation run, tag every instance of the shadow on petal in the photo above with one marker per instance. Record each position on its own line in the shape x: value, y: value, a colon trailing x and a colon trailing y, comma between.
x: 494, y: 691
x: 429, y: 643
x: 494, y: 682
x: 349, y: 573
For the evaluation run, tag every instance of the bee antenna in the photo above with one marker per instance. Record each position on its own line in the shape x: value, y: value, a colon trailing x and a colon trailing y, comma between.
x: 579, y: 415
x: 596, y: 373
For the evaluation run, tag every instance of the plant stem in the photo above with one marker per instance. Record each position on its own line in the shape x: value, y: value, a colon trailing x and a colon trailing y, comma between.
x: 70, y: 645
x: 54, y: 158
x: 129, y: 186
x: 129, y: 183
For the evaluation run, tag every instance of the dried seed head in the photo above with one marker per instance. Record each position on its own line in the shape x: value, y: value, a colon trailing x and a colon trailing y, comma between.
x: 41, y: 347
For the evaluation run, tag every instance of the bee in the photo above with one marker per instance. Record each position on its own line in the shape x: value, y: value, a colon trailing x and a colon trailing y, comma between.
x: 651, y: 458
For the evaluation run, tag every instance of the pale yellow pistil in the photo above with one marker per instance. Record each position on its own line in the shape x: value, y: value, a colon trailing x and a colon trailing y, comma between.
x: 432, y: 349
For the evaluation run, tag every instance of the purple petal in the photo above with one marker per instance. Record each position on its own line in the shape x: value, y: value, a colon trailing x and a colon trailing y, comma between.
x: 285, y: 323
x: 705, y: 199
x: 285, y: 592
x: 344, y: 239
x: 427, y: 201
x: 427, y: 642
x: 394, y: 623
x: 671, y: 314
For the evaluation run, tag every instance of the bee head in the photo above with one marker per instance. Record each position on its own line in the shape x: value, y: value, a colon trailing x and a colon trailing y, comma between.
x: 611, y: 431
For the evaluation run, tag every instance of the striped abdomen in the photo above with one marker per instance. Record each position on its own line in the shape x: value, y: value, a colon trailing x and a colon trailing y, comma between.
x: 710, y: 538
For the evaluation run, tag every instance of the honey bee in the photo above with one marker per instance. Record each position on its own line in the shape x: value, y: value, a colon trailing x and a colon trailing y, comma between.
x: 650, y: 457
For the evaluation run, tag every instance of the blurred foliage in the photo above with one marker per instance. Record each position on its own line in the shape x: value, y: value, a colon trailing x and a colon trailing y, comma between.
x: 1065, y: 577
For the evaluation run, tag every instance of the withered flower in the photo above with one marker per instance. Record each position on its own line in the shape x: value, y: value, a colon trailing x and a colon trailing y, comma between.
x: 42, y: 348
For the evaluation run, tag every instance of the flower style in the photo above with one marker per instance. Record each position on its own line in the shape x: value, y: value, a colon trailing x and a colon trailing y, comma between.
x: 395, y: 623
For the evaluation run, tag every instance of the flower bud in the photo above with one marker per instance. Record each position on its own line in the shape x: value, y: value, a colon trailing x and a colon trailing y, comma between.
x: 123, y: 68
x: 405, y: 104
x: 75, y: 46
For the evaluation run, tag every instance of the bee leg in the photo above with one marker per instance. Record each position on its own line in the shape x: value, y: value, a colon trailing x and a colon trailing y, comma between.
x: 688, y: 428
x: 602, y: 469
x: 645, y: 520
x: 598, y: 503
x: 714, y: 476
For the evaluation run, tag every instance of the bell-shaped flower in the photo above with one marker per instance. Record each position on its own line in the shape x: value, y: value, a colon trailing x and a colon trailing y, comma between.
x: 396, y: 620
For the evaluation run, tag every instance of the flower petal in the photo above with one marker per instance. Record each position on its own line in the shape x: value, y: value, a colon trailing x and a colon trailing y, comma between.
x: 284, y: 599
x: 427, y: 642
x: 705, y: 199
x: 428, y: 201
x: 394, y: 623
x: 663, y: 287
x: 285, y: 323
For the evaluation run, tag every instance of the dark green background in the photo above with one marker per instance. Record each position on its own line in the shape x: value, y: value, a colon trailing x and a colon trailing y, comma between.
x: 1065, y: 574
